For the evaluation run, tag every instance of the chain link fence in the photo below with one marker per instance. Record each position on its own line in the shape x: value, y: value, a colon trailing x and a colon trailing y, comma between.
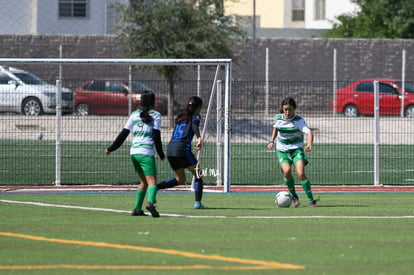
x: 343, y: 152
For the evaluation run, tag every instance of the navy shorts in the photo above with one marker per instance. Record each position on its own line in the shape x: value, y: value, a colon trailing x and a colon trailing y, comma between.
x: 182, y: 162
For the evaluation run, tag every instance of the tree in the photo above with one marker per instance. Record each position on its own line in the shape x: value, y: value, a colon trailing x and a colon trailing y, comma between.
x: 377, y: 19
x: 177, y: 29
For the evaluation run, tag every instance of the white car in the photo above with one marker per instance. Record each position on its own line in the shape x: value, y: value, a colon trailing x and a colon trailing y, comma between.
x: 23, y: 92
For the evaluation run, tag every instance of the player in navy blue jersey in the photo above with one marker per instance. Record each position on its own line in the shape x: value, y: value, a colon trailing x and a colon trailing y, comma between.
x: 179, y: 152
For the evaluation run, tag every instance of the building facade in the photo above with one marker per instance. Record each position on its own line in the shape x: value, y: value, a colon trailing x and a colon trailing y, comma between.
x: 98, y: 17
x: 67, y: 17
x: 278, y: 14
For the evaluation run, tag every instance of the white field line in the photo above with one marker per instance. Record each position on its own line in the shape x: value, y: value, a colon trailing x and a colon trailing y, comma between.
x: 112, y: 189
x: 208, y: 217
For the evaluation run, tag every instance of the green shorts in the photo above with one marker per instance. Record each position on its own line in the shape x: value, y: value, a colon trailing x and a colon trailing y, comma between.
x: 292, y: 156
x: 144, y: 164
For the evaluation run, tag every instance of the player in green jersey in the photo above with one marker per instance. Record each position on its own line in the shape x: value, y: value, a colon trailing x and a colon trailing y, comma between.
x: 289, y: 130
x: 145, y: 125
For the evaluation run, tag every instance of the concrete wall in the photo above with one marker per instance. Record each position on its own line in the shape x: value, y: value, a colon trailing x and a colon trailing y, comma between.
x: 289, y: 59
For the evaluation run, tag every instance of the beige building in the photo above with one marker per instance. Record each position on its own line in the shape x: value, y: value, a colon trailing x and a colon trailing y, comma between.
x: 274, y: 18
x: 305, y: 14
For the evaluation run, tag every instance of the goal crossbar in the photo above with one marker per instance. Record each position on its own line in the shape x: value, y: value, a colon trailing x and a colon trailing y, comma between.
x: 116, y: 61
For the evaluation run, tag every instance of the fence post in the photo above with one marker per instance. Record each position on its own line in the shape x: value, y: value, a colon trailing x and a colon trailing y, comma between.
x: 403, y: 82
x: 130, y: 90
x: 219, y: 132
x: 227, y: 130
x: 334, y: 83
x: 267, y: 84
x: 377, y: 133
x: 58, y: 132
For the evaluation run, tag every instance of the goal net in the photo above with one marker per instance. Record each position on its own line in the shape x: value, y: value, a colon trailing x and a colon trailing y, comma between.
x: 67, y: 147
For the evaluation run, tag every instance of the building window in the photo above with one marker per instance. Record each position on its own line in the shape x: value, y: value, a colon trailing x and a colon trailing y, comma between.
x: 320, y: 6
x: 72, y: 8
x: 298, y: 10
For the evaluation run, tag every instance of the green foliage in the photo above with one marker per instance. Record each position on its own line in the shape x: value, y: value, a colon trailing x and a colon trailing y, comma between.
x: 377, y: 19
x: 177, y: 29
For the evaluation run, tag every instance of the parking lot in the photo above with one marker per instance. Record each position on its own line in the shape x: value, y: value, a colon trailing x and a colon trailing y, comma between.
x: 327, y: 129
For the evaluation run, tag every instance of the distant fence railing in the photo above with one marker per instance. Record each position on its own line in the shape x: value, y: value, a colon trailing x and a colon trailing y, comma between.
x: 343, y: 153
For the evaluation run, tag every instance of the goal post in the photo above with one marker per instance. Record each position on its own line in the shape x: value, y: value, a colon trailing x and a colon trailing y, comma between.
x: 226, y: 64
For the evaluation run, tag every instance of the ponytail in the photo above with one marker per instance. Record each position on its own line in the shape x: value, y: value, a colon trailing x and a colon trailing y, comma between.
x: 146, y: 103
x: 187, y: 112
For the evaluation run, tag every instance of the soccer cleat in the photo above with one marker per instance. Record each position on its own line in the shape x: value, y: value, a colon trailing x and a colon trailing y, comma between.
x: 138, y: 213
x: 295, y: 201
x: 314, y: 203
x: 151, y: 208
x: 199, y: 205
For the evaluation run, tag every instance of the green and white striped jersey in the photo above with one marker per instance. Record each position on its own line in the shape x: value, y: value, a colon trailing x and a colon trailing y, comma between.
x: 142, y: 140
x: 290, y: 132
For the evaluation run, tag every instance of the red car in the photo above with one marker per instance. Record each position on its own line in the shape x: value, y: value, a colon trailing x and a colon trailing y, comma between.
x: 358, y: 98
x: 111, y: 97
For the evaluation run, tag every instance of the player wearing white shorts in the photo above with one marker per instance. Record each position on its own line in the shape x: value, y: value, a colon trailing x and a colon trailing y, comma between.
x: 289, y: 130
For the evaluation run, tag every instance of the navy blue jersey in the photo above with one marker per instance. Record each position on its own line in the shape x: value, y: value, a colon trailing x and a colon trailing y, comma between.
x: 182, y: 136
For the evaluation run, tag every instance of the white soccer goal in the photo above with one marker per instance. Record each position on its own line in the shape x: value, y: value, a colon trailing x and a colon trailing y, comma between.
x: 221, y: 171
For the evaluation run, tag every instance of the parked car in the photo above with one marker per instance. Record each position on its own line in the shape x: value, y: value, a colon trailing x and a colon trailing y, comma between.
x: 111, y: 97
x: 23, y: 92
x: 358, y: 98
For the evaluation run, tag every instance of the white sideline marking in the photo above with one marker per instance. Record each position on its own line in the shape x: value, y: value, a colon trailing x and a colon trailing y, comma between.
x: 65, y: 206
x: 208, y: 217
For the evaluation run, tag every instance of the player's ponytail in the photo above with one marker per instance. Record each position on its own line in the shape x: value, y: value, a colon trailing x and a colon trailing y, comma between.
x: 187, y: 112
x: 146, y: 103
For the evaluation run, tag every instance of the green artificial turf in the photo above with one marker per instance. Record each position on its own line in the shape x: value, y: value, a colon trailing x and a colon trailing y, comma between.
x: 240, y: 233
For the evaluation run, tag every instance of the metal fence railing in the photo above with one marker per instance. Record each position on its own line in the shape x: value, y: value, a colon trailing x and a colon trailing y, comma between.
x: 343, y: 152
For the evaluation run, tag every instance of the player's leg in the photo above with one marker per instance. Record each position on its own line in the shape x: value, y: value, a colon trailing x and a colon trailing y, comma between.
x: 142, y: 188
x: 198, y: 188
x: 149, y: 173
x: 176, y: 165
x: 285, y: 162
x: 152, y: 192
x: 290, y: 182
x: 300, y: 172
x: 198, y: 182
x: 140, y: 196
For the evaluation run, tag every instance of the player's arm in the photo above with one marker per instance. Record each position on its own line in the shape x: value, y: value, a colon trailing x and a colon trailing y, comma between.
x: 309, y: 142
x: 195, y: 125
x: 158, y: 143
x: 118, y: 141
x: 272, y: 139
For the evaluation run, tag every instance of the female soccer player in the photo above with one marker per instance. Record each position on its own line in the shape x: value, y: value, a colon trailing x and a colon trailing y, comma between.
x: 289, y: 129
x: 145, y: 125
x: 179, y: 151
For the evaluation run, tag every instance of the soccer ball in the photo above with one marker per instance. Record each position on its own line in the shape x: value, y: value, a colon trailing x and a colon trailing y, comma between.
x: 283, y: 199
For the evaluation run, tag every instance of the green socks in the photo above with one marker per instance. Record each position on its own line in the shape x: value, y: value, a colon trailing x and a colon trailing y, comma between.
x: 305, y: 184
x: 139, y: 199
x: 152, y: 193
x: 291, y: 186
x: 307, y: 188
